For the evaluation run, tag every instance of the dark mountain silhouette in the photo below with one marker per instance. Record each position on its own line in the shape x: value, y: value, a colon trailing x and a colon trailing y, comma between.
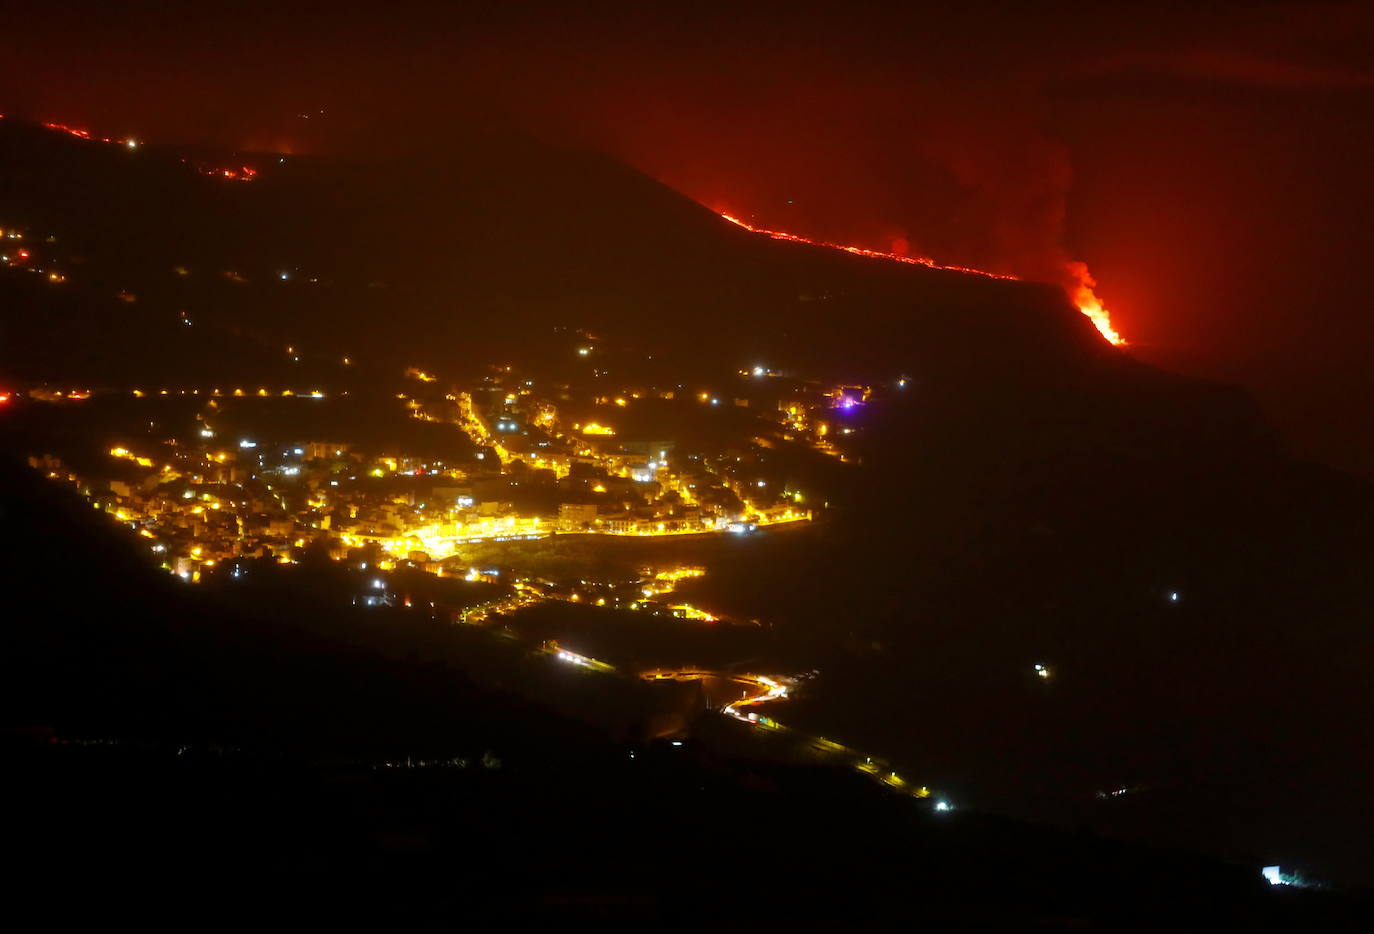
x: 1040, y: 496
x: 493, y: 242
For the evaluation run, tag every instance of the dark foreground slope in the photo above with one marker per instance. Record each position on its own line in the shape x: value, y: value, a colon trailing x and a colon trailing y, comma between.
x: 169, y: 758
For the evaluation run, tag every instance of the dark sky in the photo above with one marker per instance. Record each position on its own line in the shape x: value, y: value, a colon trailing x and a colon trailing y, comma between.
x: 1210, y: 162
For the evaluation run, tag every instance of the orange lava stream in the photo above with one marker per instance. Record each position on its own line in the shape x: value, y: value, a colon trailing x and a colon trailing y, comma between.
x: 241, y: 173
x: 860, y: 251
x: 1080, y: 293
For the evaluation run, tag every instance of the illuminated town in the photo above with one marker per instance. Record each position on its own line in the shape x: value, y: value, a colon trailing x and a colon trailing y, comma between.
x: 527, y: 467
x: 525, y: 471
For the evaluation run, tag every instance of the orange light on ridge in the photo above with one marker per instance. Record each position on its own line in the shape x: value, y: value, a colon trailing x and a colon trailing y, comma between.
x: 1080, y: 293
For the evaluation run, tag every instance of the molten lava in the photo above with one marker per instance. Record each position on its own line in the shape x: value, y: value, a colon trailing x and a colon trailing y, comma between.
x: 1080, y: 288
x: 242, y: 173
x: 1081, y: 294
x: 860, y: 251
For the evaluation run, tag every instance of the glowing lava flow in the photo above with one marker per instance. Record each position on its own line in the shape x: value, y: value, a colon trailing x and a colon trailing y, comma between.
x: 86, y: 135
x: 860, y: 251
x: 242, y: 173
x: 1080, y: 292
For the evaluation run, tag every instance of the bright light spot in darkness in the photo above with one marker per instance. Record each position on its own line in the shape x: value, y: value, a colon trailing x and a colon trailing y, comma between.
x: 1271, y: 875
x: 943, y: 806
x: 377, y: 583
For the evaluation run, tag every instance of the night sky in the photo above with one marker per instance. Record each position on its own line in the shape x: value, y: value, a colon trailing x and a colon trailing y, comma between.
x: 1210, y: 162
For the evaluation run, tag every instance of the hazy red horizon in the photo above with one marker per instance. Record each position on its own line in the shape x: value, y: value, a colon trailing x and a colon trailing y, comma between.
x: 1210, y: 165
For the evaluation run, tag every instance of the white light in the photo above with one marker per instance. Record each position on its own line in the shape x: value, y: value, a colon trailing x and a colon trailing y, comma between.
x: 377, y: 583
x: 299, y: 452
x: 1272, y: 876
x: 677, y: 742
x: 206, y: 433
x: 758, y: 371
x: 248, y: 444
x: 285, y: 276
x: 132, y: 144
x: 583, y: 351
x: 1173, y: 596
x: 762, y: 483
x: 943, y: 806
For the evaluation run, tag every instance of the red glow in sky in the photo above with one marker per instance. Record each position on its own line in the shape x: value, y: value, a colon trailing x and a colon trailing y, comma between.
x: 1209, y: 162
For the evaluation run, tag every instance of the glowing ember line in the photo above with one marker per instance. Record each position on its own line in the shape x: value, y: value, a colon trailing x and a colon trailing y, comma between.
x: 1080, y: 293
x: 860, y: 251
x: 242, y: 173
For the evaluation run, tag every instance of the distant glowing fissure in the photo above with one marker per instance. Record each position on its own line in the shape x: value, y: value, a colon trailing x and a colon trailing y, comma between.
x: 1080, y: 287
x: 1080, y: 290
